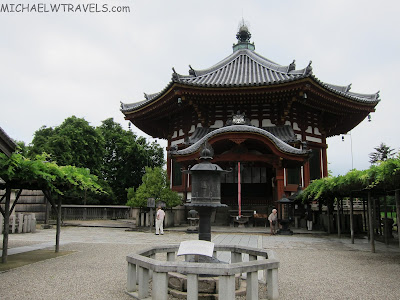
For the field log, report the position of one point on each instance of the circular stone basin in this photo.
(208, 286)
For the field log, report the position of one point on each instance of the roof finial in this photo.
(243, 36)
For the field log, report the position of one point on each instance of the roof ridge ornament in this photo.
(238, 119)
(192, 71)
(348, 88)
(292, 66)
(175, 76)
(308, 70)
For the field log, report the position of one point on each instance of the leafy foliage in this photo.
(38, 173)
(382, 153)
(155, 185)
(384, 175)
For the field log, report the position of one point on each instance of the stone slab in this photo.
(196, 247)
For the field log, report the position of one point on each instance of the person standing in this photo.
(273, 221)
(159, 221)
(309, 217)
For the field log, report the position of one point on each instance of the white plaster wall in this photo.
(177, 142)
(255, 122)
(266, 123)
(313, 139)
(217, 124)
(316, 131)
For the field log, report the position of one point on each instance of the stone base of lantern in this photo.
(208, 286)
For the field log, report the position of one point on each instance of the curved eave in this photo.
(281, 146)
(370, 100)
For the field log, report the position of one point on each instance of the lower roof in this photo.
(278, 142)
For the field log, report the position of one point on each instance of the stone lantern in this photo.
(206, 190)
(286, 215)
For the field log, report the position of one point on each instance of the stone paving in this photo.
(313, 266)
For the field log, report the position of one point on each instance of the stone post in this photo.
(160, 284)
(25, 227)
(33, 223)
(12, 221)
(226, 287)
(272, 284)
(236, 257)
(252, 282)
(192, 287)
(170, 256)
(20, 222)
(143, 283)
(132, 278)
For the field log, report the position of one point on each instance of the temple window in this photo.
(315, 164)
(293, 176)
(176, 174)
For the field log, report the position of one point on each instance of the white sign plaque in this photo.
(196, 247)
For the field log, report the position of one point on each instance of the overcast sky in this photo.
(55, 65)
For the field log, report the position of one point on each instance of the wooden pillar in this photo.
(351, 220)
(397, 198)
(385, 223)
(6, 225)
(338, 218)
(371, 222)
(280, 189)
(329, 216)
(364, 215)
(58, 224)
(306, 174)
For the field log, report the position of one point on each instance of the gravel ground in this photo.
(311, 267)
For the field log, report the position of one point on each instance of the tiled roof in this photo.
(7, 144)
(245, 68)
(284, 133)
(242, 68)
(281, 145)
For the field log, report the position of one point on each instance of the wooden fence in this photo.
(93, 212)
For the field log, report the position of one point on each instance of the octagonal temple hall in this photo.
(272, 119)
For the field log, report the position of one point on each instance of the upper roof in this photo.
(246, 68)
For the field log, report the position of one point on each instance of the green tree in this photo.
(125, 158)
(381, 153)
(155, 185)
(74, 143)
